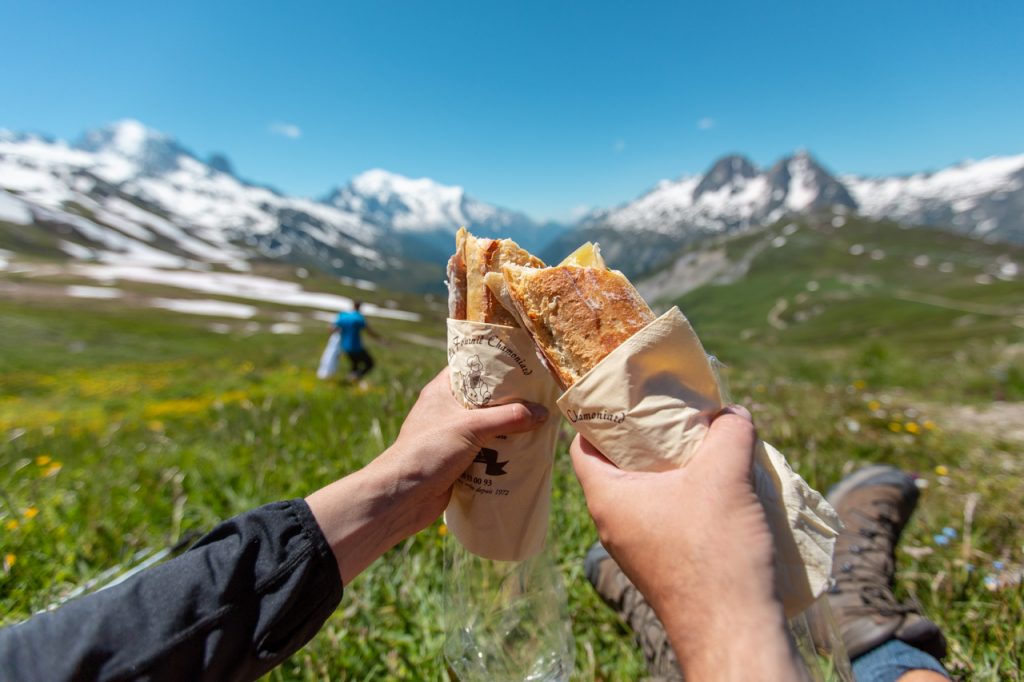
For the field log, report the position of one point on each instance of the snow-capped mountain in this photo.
(980, 198)
(733, 193)
(125, 192)
(983, 198)
(431, 211)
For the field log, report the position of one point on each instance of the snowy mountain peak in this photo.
(431, 210)
(799, 184)
(148, 151)
(387, 186)
(127, 138)
(727, 170)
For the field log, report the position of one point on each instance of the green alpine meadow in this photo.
(127, 430)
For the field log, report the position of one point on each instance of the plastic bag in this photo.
(814, 630)
(506, 613)
(329, 359)
(506, 621)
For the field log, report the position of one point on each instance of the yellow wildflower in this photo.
(895, 427)
(442, 530)
(942, 470)
(43, 460)
(874, 405)
(51, 470)
(912, 427)
(929, 425)
(12, 524)
(176, 408)
(859, 384)
(9, 561)
(155, 425)
(31, 513)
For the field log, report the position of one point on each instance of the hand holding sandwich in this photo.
(408, 486)
(696, 543)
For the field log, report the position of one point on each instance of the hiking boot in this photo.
(618, 592)
(874, 505)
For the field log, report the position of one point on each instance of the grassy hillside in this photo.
(123, 428)
(896, 306)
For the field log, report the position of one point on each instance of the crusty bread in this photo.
(576, 315)
(483, 256)
(476, 266)
(457, 278)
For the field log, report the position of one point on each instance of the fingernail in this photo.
(737, 410)
(538, 412)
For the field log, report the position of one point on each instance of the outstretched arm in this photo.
(696, 543)
(258, 587)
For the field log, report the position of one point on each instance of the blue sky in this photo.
(541, 106)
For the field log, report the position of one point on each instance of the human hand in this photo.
(696, 542)
(406, 487)
(437, 443)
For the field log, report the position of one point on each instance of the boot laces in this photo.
(871, 573)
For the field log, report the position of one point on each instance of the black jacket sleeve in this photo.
(245, 597)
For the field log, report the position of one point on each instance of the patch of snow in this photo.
(236, 285)
(81, 291)
(857, 250)
(219, 328)
(779, 242)
(285, 328)
(921, 261)
(76, 250)
(802, 190)
(325, 316)
(205, 307)
(364, 284)
(13, 210)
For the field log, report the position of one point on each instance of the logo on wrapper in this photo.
(489, 458)
(472, 383)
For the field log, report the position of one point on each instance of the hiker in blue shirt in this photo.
(350, 324)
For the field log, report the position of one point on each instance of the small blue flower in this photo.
(941, 540)
(969, 568)
(949, 532)
(998, 565)
(991, 582)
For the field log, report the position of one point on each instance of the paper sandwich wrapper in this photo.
(647, 407)
(500, 506)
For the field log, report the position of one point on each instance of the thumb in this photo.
(727, 452)
(589, 464)
(488, 422)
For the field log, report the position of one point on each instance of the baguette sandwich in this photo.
(475, 259)
(576, 312)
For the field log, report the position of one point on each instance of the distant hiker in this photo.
(346, 335)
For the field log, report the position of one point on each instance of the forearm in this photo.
(368, 512)
(725, 643)
(356, 515)
(247, 596)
